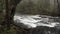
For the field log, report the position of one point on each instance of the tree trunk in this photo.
(10, 11)
(58, 7)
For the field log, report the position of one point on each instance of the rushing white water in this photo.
(32, 21)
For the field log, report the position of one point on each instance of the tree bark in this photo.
(10, 11)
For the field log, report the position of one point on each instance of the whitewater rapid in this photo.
(32, 21)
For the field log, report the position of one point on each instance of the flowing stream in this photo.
(32, 21)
